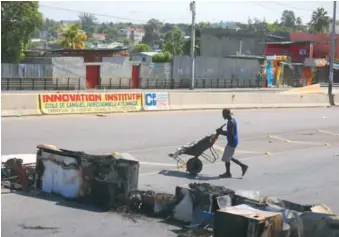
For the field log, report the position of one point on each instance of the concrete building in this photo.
(223, 42)
(132, 33)
(216, 42)
(145, 57)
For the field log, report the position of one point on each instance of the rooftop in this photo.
(291, 42)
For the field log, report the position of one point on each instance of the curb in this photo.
(176, 110)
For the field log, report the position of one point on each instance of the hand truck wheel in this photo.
(194, 166)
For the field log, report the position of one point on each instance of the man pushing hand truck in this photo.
(232, 142)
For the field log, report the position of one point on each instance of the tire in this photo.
(194, 166)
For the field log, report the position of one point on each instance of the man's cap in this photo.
(227, 112)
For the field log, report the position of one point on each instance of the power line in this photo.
(95, 14)
(263, 6)
(292, 7)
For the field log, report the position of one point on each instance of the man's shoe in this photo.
(244, 169)
(225, 175)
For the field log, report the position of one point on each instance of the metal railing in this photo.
(36, 84)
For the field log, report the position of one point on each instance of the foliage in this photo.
(152, 31)
(19, 20)
(88, 23)
(320, 21)
(111, 32)
(174, 41)
(142, 48)
(126, 42)
(73, 37)
(288, 19)
(162, 57)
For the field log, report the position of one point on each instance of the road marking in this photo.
(329, 133)
(31, 158)
(157, 164)
(219, 148)
(218, 141)
(27, 158)
(298, 142)
(246, 159)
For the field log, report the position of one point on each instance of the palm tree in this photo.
(320, 20)
(73, 37)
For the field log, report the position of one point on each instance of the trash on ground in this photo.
(111, 181)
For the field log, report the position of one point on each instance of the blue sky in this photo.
(178, 11)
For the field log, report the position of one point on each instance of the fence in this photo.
(26, 70)
(122, 83)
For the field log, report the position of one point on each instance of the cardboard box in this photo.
(245, 221)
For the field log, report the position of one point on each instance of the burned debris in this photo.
(111, 181)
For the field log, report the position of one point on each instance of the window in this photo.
(302, 52)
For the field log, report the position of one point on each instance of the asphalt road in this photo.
(298, 162)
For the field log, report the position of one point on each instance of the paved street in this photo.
(292, 154)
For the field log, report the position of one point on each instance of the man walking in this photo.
(232, 143)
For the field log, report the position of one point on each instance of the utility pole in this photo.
(330, 82)
(192, 8)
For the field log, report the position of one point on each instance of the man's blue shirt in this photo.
(232, 133)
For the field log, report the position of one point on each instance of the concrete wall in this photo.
(155, 75)
(116, 71)
(212, 68)
(69, 68)
(223, 42)
(28, 103)
(26, 70)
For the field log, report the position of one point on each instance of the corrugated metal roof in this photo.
(151, 54)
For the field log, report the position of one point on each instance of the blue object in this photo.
(151, 99)
(232, 140)
(202, 219)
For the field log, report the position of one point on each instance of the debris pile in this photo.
(111, 181)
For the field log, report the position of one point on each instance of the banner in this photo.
(74, 103)
(156, 101)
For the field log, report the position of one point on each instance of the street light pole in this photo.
(330, 81)
(192, 8)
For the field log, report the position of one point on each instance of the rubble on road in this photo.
(111, 181)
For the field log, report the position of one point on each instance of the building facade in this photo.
(132, 33)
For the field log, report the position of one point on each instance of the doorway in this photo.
(92, 76)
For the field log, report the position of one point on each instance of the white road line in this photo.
(157, 164)
(27, 158)
(329, 133)
(298, 142)
(237, 151)
(31, 158)
(247, 158)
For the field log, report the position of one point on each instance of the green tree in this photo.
(162, 57)
(142, 48)
(111, 31)
(73, 38)
(19, 20)
(174, 41)
(126, 42)
(152, 31)
(319, 21)
(88, 23)
(288, 19)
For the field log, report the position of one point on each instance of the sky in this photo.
(179, 12)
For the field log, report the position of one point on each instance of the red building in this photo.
(298, 51)
(92, 60)
(322, 43)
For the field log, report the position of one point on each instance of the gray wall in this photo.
(223, 42)
(211, 68)
(155, 74)
(26, 70)
(116, 71)
(69, 70)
